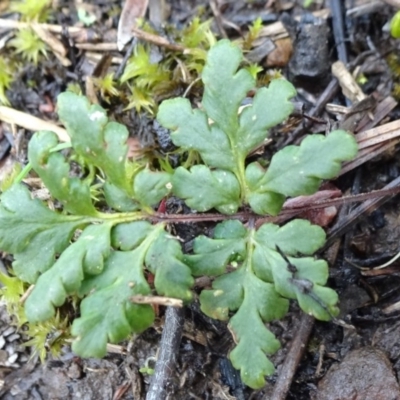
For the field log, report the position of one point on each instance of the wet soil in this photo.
(355, 358)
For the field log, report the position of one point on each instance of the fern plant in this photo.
(101, 250)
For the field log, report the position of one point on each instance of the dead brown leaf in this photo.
(132, 9)
(280, 56)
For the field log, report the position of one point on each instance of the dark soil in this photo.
(357, 358)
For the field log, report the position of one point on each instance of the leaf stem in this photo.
(250, 245)
(241, 175)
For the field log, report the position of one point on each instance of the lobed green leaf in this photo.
(107, 314)
(164, 259)
(270, 107)
(224, 86)
(305, 283)
(203, 189)
(99, 141)
(150, 187)
(298, 170)
(257, 302)
(54, 171)
(84, 257)
(262, 280)
(213, 255)
(118, 199)
(191, 131)
(261, 304)
(32, 232)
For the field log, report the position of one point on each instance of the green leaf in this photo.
(117, 198)
(52, 168)
(261, 200)
(108, 315)
(213, 255)
(32, 232)
(258, 289)
(261, 303)
(83, 257)
(203, 189)
(299, 170)
(130, 235)
(305, 283)
(226, 140)
(224, 86)
(150, 187)
(257, 302)
(270, 107)
(99, 141)
(165, 260)
(298, 236)
(191, 131)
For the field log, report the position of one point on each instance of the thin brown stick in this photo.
(157, 40)
(296, 351)
(367, 206)
(218, 18)
(287, 212)
(326, 95)
(162, 381)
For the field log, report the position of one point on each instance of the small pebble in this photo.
(365, 373)
(12, 358)
(3, 356)
(23, 358)
(2, 342)
(15, 390)
(10, 349)
(13, 337)
(9, 331)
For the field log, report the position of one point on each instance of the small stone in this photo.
(74, 371)
(9, 331)
(10, 349)
(13, 337)
(3, 356)
(23, 358)
(13, 358)
(364, 374)
(2, 342)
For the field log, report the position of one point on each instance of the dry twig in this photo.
(163, 301)
(27, 121)
(165, 367)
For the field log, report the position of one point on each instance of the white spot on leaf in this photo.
(96, 116)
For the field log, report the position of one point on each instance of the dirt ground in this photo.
(356, 357)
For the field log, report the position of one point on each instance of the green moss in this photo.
(6, 78)
(32, 10)
(28, 45)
